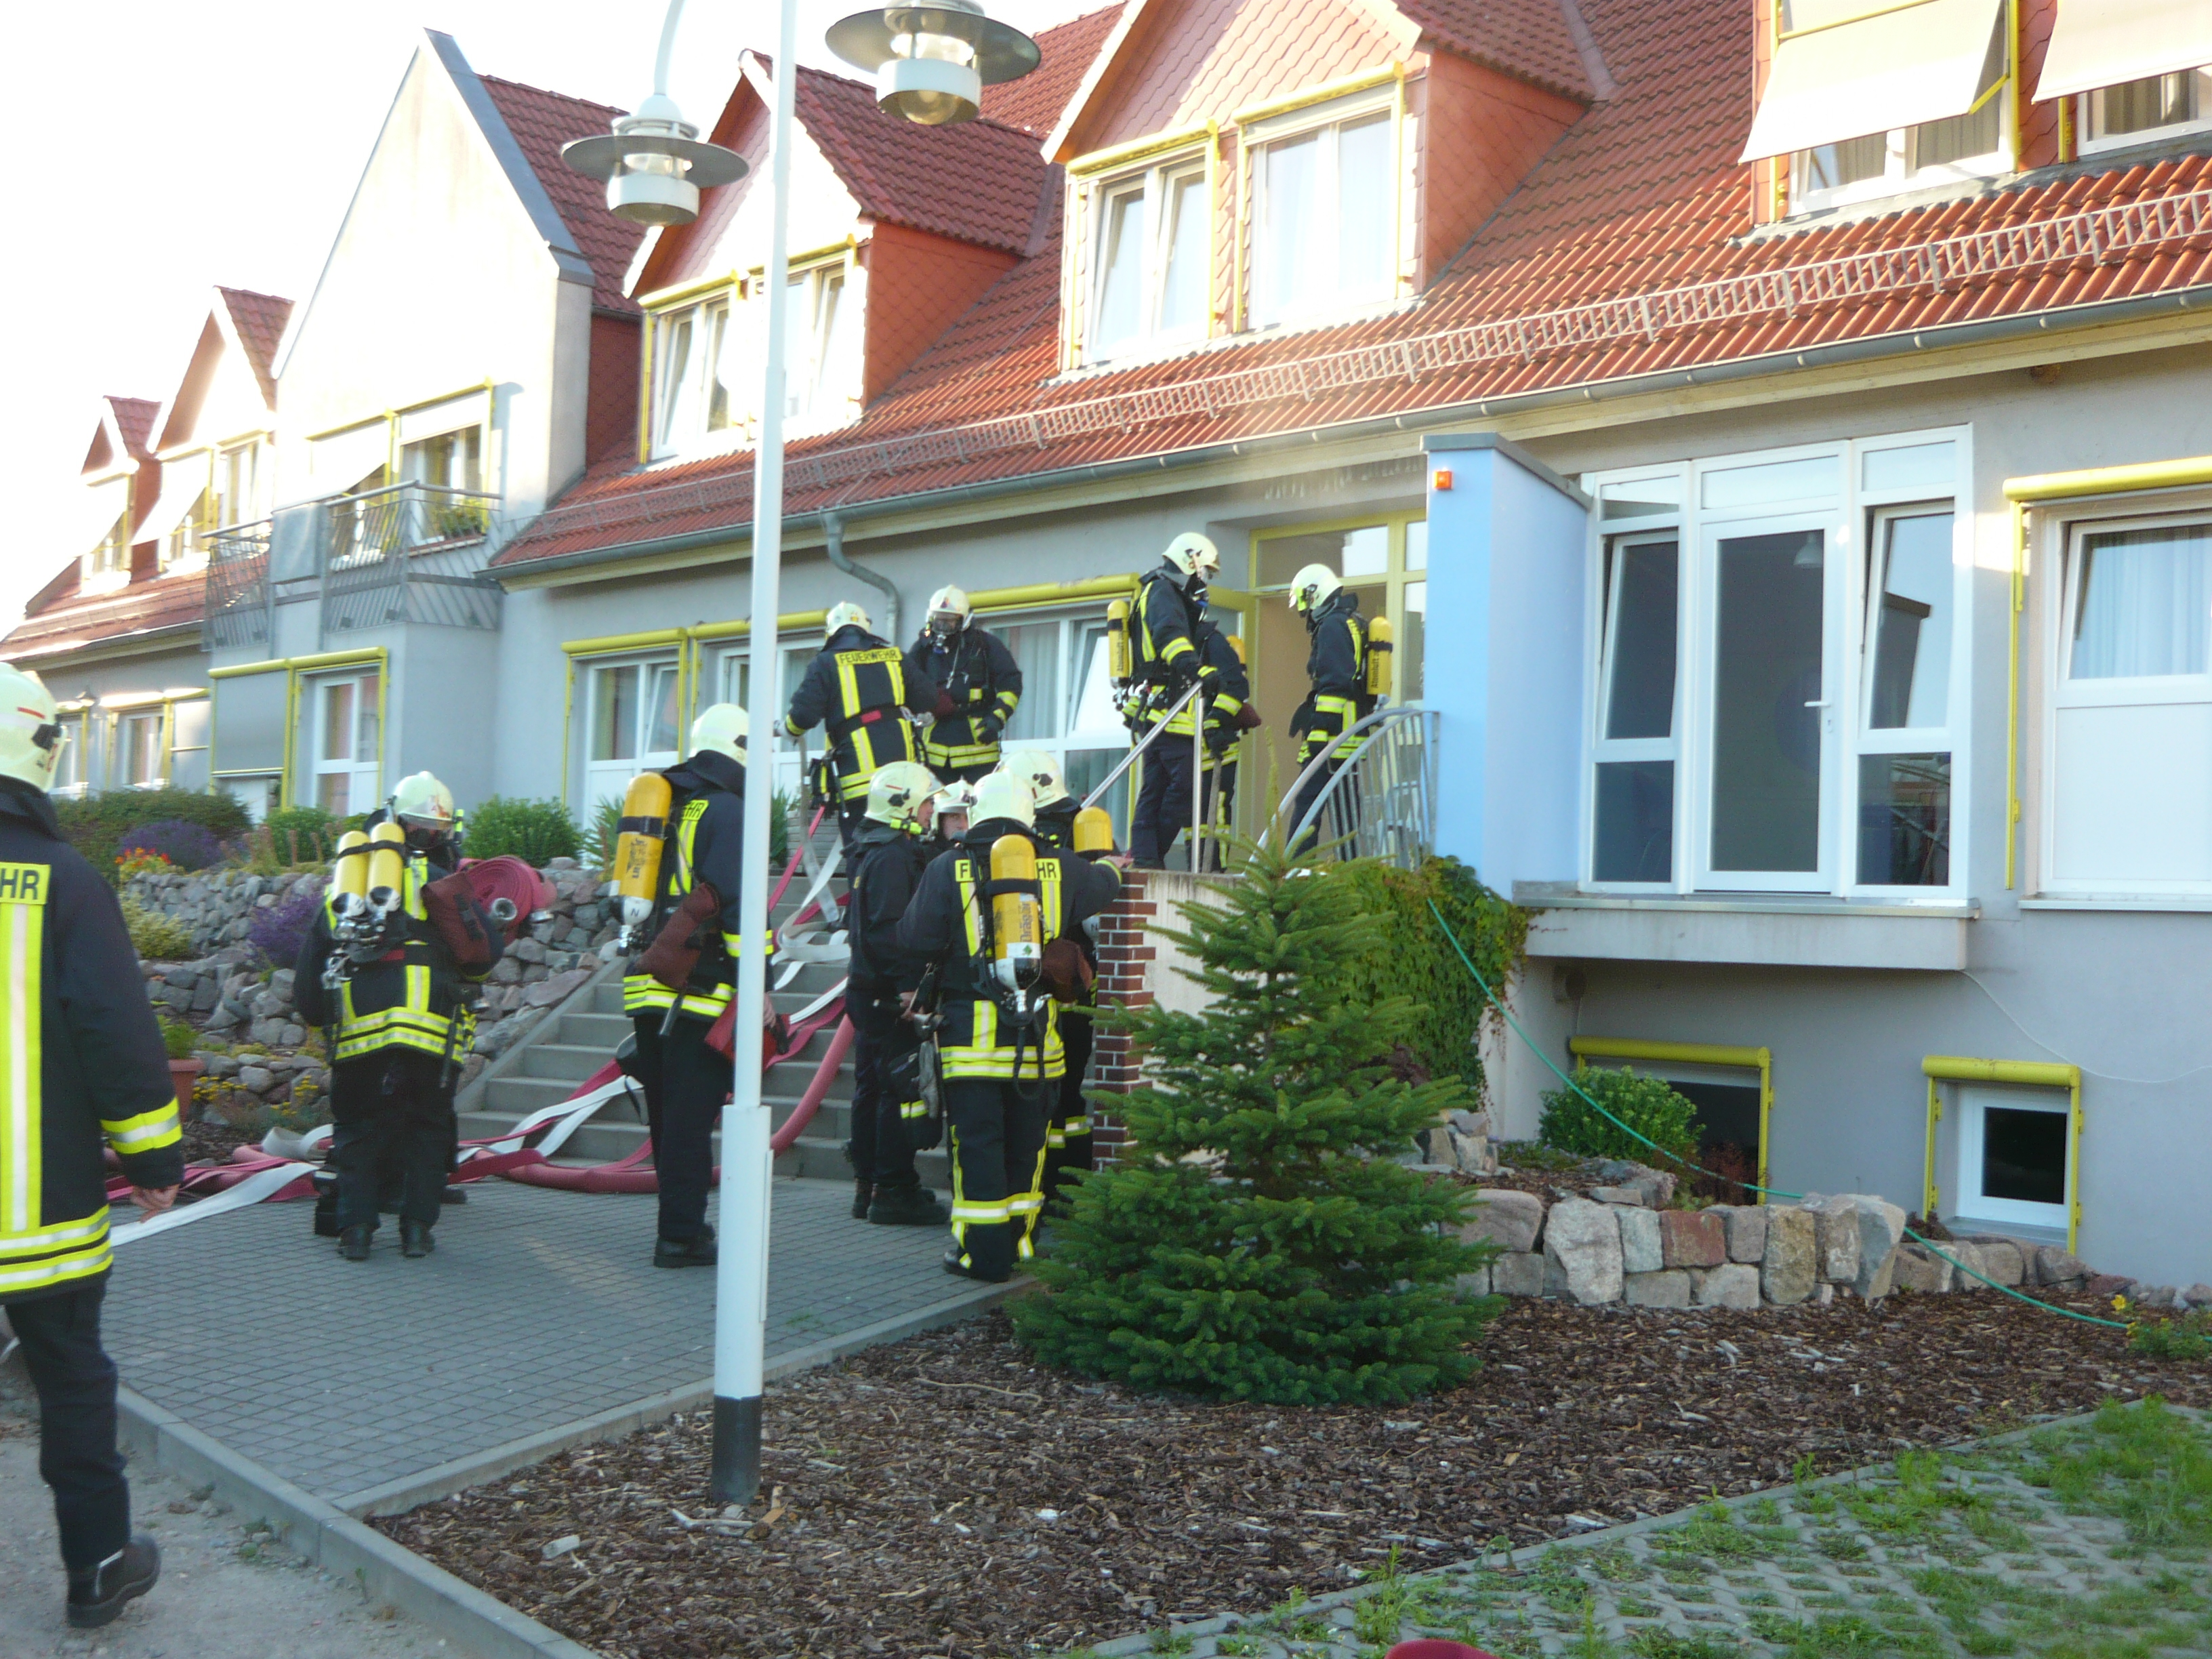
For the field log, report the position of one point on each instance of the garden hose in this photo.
(1537, 1049)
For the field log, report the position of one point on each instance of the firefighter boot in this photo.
(96, 1595)
(906, 1207)
(415, 1239)
(863, 1192)
(353, 1242)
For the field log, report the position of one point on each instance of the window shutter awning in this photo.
(182, 486)
(249, 721)
(2109, 43)
(1925, 61)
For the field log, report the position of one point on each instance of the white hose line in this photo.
(256, 1186)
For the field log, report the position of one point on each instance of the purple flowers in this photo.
(278, 930)
(186, 846)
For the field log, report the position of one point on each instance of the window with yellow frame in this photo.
(1382, 557)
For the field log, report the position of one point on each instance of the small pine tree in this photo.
(1258, 1241)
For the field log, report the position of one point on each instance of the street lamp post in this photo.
(934, 61)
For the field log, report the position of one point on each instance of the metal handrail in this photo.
(1386, 732)
(1129, 759)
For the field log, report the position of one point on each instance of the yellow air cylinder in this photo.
(1119, 664)
(1094, 831)
(1237, 644)
(388, 864)
(1016, 920)
(1378, 657)
(637, 847)
(349, 873)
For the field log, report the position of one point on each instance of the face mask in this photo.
(945, 626)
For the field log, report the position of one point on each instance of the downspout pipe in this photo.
(833, 532)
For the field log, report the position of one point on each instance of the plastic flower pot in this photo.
(1433, 1647)
(182, 1073)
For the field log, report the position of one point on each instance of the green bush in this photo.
(1650, 1104)
(600, 831)
(95, 825)
(1412, 958)
(179, 1038)
(303, 834)
(535, 831)
(1257, 1241)
(154, 936)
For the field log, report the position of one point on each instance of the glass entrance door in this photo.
(1772, 721)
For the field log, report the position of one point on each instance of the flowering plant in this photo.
(142, 861)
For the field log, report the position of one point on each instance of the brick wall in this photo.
(1137, 968)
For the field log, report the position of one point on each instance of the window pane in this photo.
(838, 380)
(1904, 820)
(1183, 286)
(1635, 822)
(1954, 140)
(2141, 603)
(660, 700)
(1640, 641)
(1910, 681)
(1774, 481)
(1092, 703)
(1363, 210)
(1767, 664)
(1417, 545)
(1413, 642)
(1351, 553)
(1035, 647)
(364, 737)
(1121, 271)
(2161, 101)
(2024, 1154)
(1915, 466)
(719, 365)
(614, 714)
(797, 344)
(1285, 262)
(1846, 163)
(337, 720)
(330, 793)
(1081, 769)
(678, 381)
(1645, 498)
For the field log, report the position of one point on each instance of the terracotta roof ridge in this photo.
(548, 92)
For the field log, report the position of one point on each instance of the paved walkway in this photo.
(1937, 1557)
(359, 1382)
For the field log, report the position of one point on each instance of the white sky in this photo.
(186, 142)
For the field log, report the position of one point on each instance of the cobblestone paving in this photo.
(1989, 1553)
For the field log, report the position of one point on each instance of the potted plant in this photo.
(180, 1039)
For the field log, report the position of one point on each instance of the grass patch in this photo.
(2146, 1465)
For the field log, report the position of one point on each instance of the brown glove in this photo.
(672, 957)
(1065, 971)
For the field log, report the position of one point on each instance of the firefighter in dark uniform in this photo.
(91, 1076)
(1229, 714)
(979, 683)
(998, 1043)
(1163, 641)
(1336, 668)
(679, 985)
(1067, 1143)
(894, 851)
(860, 690)
(401, 1012)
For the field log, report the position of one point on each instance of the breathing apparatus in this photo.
(642, 833)
(1015, 913)
(1379, 647)
(370, 878)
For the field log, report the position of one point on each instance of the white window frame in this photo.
(1845, 518)
(150, 719)
(1901, 172)
(697, 436)
(611, 776)
(2089, 112)
(1327, 119)
(733, 676)
(354, 768)
(811, 402)
(1612, 541)
(1156, 183)
(1967, 1202)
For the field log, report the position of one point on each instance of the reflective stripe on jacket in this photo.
(706, 845)
(411, 997)
(856, 688)
(979, 673)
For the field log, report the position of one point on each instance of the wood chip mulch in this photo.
(912, 1483)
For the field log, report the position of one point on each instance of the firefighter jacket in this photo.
(1226, 694)
(1336, 666)
(949, 922)
(1164, 643)
(855, 689)
(706, 844)
(412, 995)
(977, 672)
(86, 1068)
(888, 871)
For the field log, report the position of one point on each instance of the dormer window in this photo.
(822, 347)
(698, 377)
(1905, 158)
(1321, 211)
(1152, 259)
(2143, 112)
(106, 564)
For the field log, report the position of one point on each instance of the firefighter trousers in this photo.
(881, 1151)
(998, 1166)
(388, 1113)
(1163, 799)
(76, 1384)
(1067, 1137)
(686, 1084)
(1338, 820)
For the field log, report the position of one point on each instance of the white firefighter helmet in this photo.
(897, 791)
(949, 610)
(845, 614)
(1194, 554)
(954, 800)
(30, 728)
(422, 802)
(1003, 795)
(720, 729)
(1035, 768)
(1313, 587)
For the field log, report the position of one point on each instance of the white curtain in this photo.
(2141, 602)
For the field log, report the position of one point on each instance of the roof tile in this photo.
(74, 622)
(260, 319)
(1528, 38)
(1033, 104)
(542, 122)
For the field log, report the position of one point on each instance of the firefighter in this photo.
(863, 689)
(390, 989)
(1228, 716)
(950, 821)
(678, 986)
(988, 915)
(1336, 668)
(1163, 636)
(893, 853)
(979, 685)
(91, 1076)
(1067, 1143)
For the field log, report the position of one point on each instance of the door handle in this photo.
(1821, 703)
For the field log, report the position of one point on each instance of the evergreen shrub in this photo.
(95, 824)
(304, 835)
(1412, 959)
(535, 831)
(1646, 1103)
(154, 936)
(1258, 1241)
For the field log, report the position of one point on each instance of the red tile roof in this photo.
(542, 122)
(1033, 103)
(74, 623)
(1528, 38)
(260, 319)
(1627, 252)
(976, 182)
(134, 419)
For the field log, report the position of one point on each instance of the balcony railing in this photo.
(1380, 803)
(406, 553)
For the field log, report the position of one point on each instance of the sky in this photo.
(188, 144)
